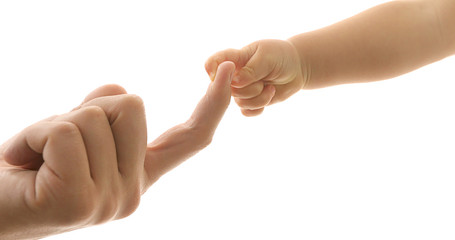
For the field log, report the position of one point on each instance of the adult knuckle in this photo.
(131, 202)
(79, 210)
(132, 102)
(107, 210)
(65, 129)
(93, 112)
(115, 88)
(82, 211)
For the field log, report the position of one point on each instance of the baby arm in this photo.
(383, 42)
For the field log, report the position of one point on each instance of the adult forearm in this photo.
(380, 43)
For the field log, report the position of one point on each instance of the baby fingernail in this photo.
(236, 79)
(212, 76)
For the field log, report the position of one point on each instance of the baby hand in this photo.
(267, 72)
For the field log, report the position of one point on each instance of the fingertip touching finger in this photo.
(212, 64)
(184, 140)
(211, 108)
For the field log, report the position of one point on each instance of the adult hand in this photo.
(91, 165)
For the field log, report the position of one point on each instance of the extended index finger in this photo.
(183, 141)
(211, 108)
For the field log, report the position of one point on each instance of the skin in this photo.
(92, 165)
(381, 43)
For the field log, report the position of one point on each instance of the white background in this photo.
(365, 161)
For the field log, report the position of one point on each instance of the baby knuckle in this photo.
(230, 50)
(247, 72)
(252, 47)
(252, 113)
(243, 103)
(217, 58)
(235, 92)
(262, 102)
(220, 56)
